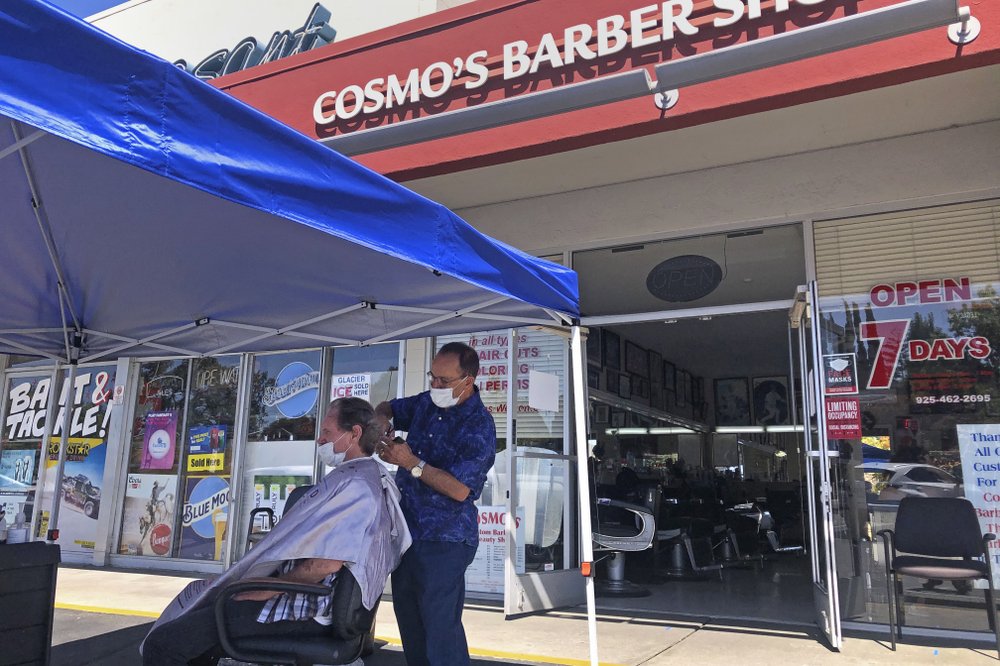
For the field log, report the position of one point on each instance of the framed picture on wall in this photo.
(611, 381)
(594, 378)
(612, 350)
(602, 413)
(617, 419)
(595, 352)
(636, 359)
(655, 369)
(770, 401)
(732, 402)
(681, 388)
(697, 390)
(669, 377)
(655, 395)
(624, 386)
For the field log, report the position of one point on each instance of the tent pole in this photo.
(64, 443)
(583, 484)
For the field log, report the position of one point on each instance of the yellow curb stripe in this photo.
(477, 652)
(516, 656)
(107, 611)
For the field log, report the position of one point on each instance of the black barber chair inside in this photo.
(352, 631)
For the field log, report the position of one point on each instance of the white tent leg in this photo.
(583, 485)
(60, 466)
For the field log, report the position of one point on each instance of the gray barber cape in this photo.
(352, 515)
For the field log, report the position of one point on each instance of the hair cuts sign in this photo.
(644, 26)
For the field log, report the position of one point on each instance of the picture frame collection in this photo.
(632, 372)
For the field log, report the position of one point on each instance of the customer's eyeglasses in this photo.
(441, 382)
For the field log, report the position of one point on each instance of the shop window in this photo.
(281, 433)
(543, 484)
(151, 510)
(21, 458)
(25, 399)
(910, 325)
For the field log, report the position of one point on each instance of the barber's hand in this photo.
(397, 452)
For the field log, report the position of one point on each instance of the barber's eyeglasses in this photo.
(442, 382)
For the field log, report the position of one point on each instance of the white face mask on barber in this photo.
(330, 457)
(445, 397)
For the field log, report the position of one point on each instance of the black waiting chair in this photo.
(941, 540)
(632, 532)
(349, 635)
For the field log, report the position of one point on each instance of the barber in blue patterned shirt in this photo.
(450, 447)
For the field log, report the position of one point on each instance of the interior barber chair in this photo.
(619, 528)
(687, 539)
(740, 543)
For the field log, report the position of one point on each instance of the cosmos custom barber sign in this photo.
(590, 41)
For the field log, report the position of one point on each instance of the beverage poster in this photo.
(159, 446)
(272, 491)
(17, 478)
(205, 518)
(207, 449)
(150, 505)
(80, 492)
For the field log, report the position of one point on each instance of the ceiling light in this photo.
(785, 428)
(725, 430)
(671, 431)
(669, 321)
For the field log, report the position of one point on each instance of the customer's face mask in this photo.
(329, 456)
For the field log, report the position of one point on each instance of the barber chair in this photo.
(740, 542)
(633, 532)
(346, 608)
(688, 540)
(347, 640)
(767, 525)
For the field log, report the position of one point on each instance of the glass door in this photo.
(804, 341)
(542, 560)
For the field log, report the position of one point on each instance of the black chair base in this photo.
(619, 588)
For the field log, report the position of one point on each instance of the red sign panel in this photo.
(843, 418)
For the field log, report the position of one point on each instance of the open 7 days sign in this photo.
(585, 41)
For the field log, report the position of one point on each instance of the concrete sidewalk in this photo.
(553, 638)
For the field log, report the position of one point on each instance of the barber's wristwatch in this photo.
(417, 469)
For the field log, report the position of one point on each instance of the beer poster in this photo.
(207, 449)
(205, 518)
(150, 503)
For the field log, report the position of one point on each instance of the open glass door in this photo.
(542, 563)
(805, 343)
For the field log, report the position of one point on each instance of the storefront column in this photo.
(114, 461)
(418, 355)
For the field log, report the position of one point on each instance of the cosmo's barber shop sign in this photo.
(607, 36)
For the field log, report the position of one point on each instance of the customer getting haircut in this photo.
(468, 358)
(351, 412)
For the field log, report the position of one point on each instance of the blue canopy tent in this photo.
(146, 213)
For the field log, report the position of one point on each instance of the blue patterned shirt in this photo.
(460, 440)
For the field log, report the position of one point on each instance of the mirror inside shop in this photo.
(696, 428)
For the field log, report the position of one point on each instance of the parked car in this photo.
(891, 482)
(79, 491)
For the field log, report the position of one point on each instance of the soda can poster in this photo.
(205, 518)
(159, 447)
(207, 449)
(147, 526)
(80, 492)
